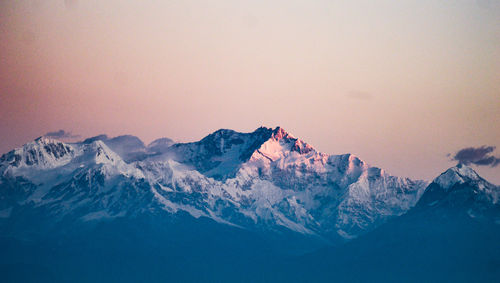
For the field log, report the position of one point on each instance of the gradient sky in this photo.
(399, 83)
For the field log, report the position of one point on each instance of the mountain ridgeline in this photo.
(220, 209)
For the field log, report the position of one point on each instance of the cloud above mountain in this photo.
(481, 156)
(61, 134)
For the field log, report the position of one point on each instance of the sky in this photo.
(404, 85)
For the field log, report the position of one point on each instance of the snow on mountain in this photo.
(46, 165)
(40, 153)
(462, 188)
(454, 226)
(340, 192)
(45, 155)
(266, 180)
(99, 153)
(220, 154)
(128, 147)
(458, 174)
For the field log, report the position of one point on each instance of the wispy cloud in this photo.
(61, 134)
(481, 156)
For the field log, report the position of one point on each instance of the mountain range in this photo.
(260, 206)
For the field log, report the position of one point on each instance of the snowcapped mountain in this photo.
(451, 234)
(234, 205)
(266, 180)
(461, 190)
(38, 154)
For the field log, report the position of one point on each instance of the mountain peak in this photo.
(43, 152)
(465, 170)
(45, 140)
(221, 153)
(458, 174)
(460, 187)
(101, 153)
(280, 133)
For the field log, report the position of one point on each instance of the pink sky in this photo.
(399, 83)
